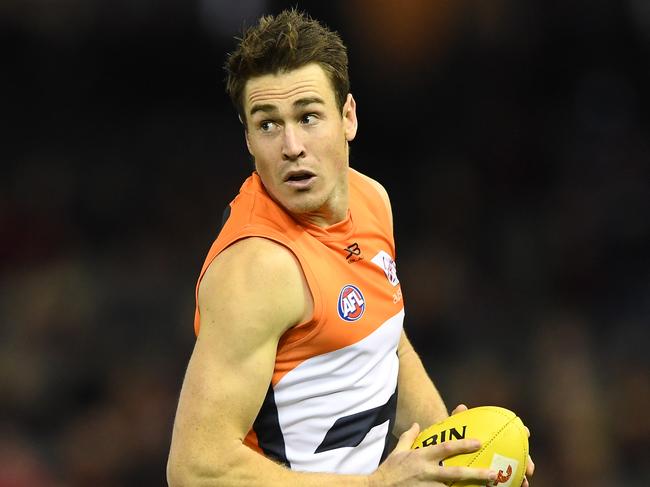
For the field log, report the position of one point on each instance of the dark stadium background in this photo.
(512, 136)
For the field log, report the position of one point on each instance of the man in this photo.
(301, 371)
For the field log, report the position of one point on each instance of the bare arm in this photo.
(418, 400)
(249, 296)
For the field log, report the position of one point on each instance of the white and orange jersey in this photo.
(332, 399)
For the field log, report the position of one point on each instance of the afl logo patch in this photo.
(351, 303)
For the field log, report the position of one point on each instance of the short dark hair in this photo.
(284, 42)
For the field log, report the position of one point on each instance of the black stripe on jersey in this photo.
(391, 441)
(349, 431)
(269, 434)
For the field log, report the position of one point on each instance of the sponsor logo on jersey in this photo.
(351, 304)
(354, 253)
(504, 467)
(383, 260)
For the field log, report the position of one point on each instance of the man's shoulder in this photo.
(367, 180)
(255, 271)
(380, 200)
(256, 254)
(254, 284)
(254, 209)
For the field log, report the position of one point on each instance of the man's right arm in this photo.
(248, 297)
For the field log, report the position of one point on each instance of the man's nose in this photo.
(292, 146)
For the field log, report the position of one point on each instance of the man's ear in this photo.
(248, 143)
(350, 122)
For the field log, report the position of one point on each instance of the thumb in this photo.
(459, 409)
(407, 438)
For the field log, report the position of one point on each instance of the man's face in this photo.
(299, 140)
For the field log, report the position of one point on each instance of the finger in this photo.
(407, 438)
(525, 483)
(465, 474)
(460, 408)
(527, 431)
(530, 467)
(448, 449)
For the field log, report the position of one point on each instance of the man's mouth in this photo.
(299, 176)
(300, 180)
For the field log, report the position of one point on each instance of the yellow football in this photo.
(503, 437)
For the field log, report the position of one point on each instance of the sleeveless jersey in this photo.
(331, 403)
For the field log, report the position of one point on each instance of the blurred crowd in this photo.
(513, 138)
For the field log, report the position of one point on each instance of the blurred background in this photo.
(513, 137)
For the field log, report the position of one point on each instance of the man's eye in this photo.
(266, 126)
(308, 119)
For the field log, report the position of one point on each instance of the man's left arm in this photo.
(418, 400)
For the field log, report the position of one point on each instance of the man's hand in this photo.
(530, 466)
(421, 467)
